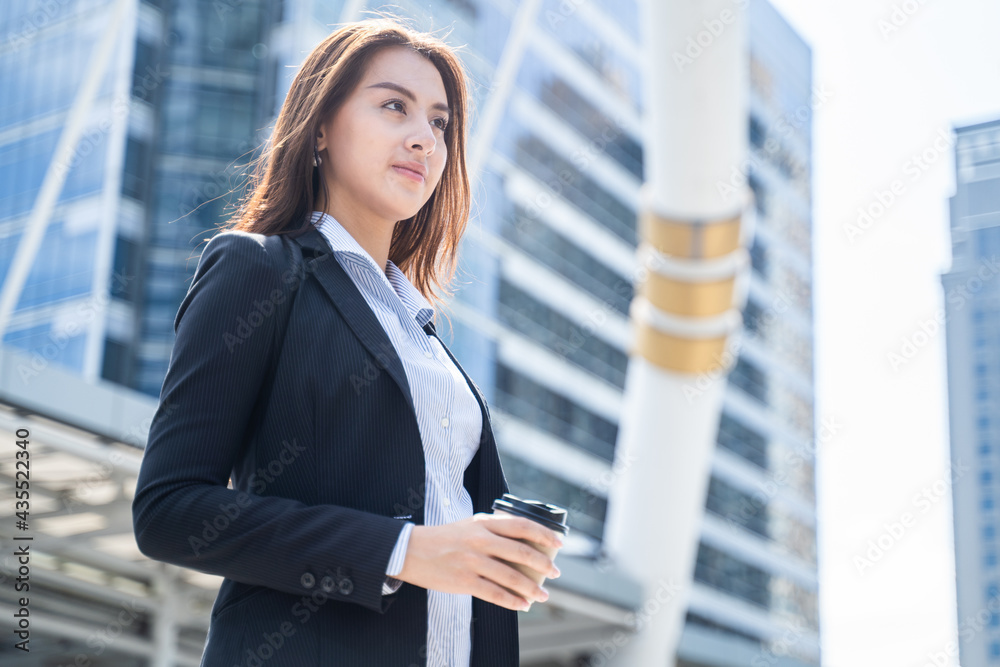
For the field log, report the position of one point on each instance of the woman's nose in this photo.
(423, 138)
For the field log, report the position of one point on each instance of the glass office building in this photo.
(540, 316)
(173, 118)
(971, 317)
(68, 306)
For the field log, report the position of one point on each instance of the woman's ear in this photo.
(319, 142)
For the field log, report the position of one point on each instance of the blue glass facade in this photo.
(48, 53)
(208, 111)
(972, 320)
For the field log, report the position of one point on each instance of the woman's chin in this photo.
(405, 213)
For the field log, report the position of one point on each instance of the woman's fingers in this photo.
(516, 551)
(468, 557)
(491, 592)
(510, 548)
(506, 586)
(520, 528)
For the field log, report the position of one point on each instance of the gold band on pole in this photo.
(695, 239)
(680, 355)
(677, 297)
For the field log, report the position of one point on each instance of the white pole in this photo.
(685, 315)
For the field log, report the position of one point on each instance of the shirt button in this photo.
(446, 502)
(444, 421)
(428, 354)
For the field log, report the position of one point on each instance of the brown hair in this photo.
(283, 186)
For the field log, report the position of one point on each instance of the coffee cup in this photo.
(548, 515)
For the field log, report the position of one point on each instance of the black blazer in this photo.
(325, 458)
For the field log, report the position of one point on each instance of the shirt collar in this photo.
(341, 241)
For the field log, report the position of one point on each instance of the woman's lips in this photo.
(409, 173)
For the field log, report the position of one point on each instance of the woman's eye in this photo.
(397, 105)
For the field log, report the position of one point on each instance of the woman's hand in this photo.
(461, 557)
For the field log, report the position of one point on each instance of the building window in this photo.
(985, 449)
(135, 176)
(988, 532)
(125, 281)
(752, 316)
(737, 508)
(695, 619)
(585, 117)
(539, 240)
(758, 258)
(995, 649)
(564, 178)
(540, 406)
(116, 361)
(726, 573)
(758, 133)
(991, 559)
(742, 441)
(987, 503)
(522, 312)
(144, 72)
(750, 378)
(985, 477)
(759, 195)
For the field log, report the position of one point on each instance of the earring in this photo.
(317, 159)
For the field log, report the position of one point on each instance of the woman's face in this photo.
(384, 148)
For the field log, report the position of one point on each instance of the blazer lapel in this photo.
(352, 305)
(484, 479)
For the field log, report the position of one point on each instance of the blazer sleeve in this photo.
(182, 512)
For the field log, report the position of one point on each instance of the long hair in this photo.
(283, 184)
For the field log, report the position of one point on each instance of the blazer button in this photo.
(327, 583)
(308, 580)
(345, 586)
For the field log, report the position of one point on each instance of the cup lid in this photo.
(550, 516)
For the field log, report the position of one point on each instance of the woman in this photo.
(358, 528)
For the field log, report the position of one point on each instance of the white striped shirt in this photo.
(448, 417)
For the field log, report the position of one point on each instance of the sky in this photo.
(900, 72)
